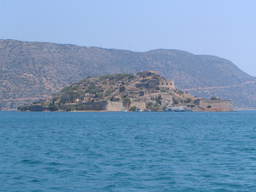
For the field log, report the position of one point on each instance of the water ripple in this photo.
(145, 152)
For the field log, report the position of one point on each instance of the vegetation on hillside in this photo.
(31, 71)
(145, 91)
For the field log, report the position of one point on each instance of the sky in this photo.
(225, 28)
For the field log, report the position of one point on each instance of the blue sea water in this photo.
(126, 152)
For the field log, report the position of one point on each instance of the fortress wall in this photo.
(115, 106)
(216, 105)
(139, 105)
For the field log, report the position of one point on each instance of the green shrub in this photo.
(133, 109)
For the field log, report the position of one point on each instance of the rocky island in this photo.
(143, 91)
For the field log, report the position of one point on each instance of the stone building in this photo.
(167, 84)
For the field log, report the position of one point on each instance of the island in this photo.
(143, 91)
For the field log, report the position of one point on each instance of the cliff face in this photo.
(32, 70)
(145, 91)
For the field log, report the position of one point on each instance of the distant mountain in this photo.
(33, 70)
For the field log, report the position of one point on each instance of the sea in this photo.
(127, 152)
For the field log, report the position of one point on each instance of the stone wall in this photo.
(167, 84)
(115, 106)
(139, 105)
(215, 105)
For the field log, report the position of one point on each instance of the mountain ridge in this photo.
(33, 69)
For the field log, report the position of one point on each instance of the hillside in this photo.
(144, 91)
(34, 70)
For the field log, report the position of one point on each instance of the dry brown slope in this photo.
(30, 70)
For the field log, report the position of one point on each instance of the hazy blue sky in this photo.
(225, 28)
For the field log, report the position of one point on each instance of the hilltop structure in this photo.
(144, 91)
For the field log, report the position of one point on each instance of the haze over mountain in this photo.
(33, 70)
